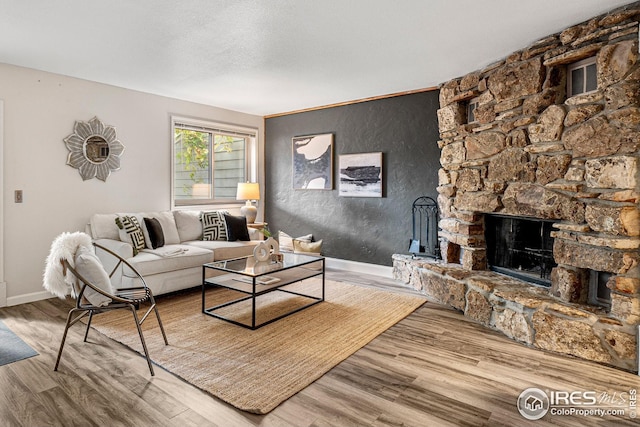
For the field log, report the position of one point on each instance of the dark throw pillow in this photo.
(155, 232)
(236, 228)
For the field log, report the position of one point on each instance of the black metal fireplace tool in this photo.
(424, 242)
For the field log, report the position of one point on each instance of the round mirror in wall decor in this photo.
(94, 149)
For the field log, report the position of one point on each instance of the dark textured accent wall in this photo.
(370, 230)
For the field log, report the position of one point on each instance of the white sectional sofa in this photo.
(178, 263)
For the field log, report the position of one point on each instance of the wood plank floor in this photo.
(434, 368)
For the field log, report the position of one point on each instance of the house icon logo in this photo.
(533, 403)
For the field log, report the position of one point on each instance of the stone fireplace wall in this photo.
(535, 152)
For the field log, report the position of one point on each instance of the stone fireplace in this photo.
(517, 146)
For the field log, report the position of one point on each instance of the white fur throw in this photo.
(63, 247)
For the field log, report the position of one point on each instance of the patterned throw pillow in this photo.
(130, 225)
(213, 225)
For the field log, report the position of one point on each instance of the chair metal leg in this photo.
(66, 329)
(155, 308)
(144, 344)
(86, 333)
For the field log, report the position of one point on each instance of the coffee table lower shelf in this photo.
(254, 290)
(211, 311)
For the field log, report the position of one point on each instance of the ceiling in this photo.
(274, 56)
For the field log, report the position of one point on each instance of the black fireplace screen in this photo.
(425, 228)
(520, 247)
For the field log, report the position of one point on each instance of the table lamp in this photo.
(248, 191)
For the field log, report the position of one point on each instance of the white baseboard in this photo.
(339, 264)
(3, 294)
(23, 299)
(360, 267)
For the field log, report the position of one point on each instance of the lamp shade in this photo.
(248, 191)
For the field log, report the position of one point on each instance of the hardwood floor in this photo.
(434, 368)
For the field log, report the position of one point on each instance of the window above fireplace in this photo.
(582, 77)
(520, 247)
(471, 110)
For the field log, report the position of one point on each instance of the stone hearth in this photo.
(533, 151)
(528, 314)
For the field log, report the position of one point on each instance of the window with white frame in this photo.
(471, 109)
(582, 77)
(209, 160)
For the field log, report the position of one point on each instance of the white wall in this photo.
(3, 285)
(40, 110)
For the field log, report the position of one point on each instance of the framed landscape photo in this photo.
(313, 162)
(361, 175)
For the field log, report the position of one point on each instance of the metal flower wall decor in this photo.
(94, 149)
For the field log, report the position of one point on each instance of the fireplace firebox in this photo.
(520, 247)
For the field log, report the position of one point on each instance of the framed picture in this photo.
(361, 175)
(313, 162)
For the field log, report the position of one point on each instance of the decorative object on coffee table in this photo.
(274, 246)
(94, 149)
(261, 252)
(268, 250)
(248, 191)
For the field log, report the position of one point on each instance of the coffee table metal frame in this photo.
(294, 268)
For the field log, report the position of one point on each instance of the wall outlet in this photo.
(18, 196)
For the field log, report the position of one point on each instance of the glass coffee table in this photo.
(252, 280)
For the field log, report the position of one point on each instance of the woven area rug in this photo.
(257, 370)
(12, 348)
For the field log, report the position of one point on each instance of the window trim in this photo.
(472, 101)
(584, 63)
(251, 166)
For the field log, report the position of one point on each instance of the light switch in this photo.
(18, 196)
